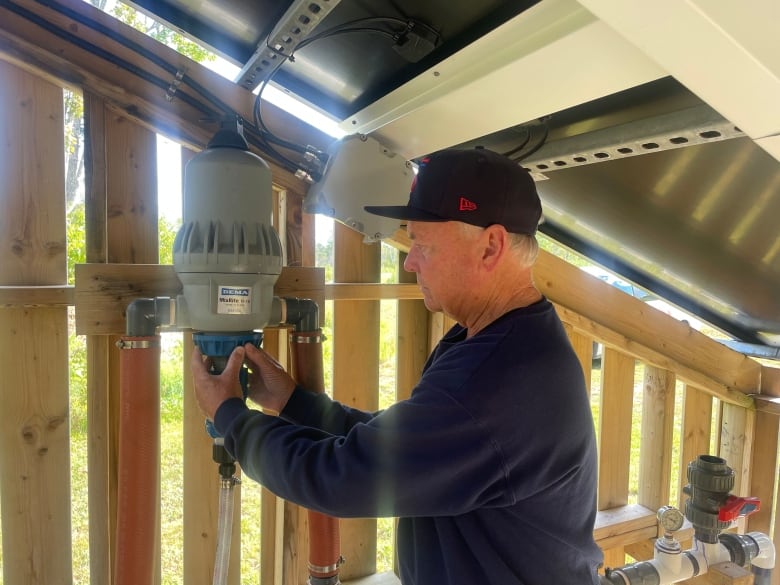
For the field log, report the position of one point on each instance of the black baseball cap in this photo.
(475, 186)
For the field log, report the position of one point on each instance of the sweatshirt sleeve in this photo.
(319, 411)
(423, 456)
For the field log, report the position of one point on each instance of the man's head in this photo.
(475, 186)
(471, 218)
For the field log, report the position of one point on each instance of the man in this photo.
(491, 463)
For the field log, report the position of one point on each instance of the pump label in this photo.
(234, 300)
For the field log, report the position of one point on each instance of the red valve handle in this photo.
(736, 506)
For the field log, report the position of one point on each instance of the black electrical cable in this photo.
(539, 143)
(257, 109)
(100, 52)
(134, 69)
(521, 146)
(261, 136)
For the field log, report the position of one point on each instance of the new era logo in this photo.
(466, 205)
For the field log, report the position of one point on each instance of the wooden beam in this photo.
(344, 291)
(623, 525)
(37, 296)
(64, 51)
(103, 291)
(605, 313)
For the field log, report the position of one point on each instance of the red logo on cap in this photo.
(466, 205)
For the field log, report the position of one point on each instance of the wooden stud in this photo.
(615, 429)
(695, 436)
(583, 347)
(765, 461)
(356, 381)
(411, 348)
(736, 444)
(34, 429)
(655, 459)
(615, 436)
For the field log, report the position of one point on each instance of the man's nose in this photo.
(409, 263)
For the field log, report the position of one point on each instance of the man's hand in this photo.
(269, 385)
(212, 390)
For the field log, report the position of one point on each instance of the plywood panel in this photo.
(356, 372)
(655, 460)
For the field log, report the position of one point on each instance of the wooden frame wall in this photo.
(121, 116)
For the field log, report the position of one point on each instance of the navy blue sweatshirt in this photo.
(490, 464)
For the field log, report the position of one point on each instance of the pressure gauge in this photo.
(670, 518)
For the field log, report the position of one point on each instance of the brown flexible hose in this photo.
(324, 540)
(138, 514)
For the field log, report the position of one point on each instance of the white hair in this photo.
(524, 247)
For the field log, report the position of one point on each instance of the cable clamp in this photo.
(174, 86)
(138, 344)
(325, 569)
(300, 338)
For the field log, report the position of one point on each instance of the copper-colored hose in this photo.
(138, 518)
(324, 541)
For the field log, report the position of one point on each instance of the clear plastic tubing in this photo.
(224, 531)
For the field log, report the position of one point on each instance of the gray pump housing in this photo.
(226, 254)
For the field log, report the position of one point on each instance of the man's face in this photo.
(443, 255)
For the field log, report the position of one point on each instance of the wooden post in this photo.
(696, 431)
(412, 334)
(583, 347)
(736, 444)
(100, 457)
(356, 381)
(765, 460)
(655, 456)
(615, 437)
(121, 204)
(34, 430)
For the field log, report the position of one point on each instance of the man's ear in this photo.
(495, 242)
